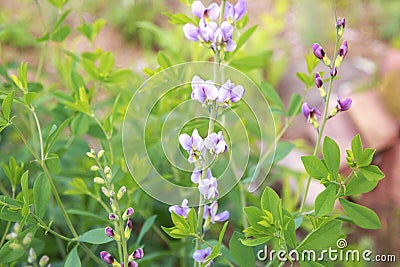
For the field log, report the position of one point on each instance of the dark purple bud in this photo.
(138, 254)
(318, 80)
(310, 113)
(343, 49)
(129, 223)
(334, 72)
(318, 51)
(131, 264)
(112, 217)
(345, 104)
(109, 232)
(341, 22)
(106, 257)
(129, 211)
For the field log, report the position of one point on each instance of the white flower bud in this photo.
(105, 191)
(94, 168)
(27, 239)
(121, 192)
(107, 170)
(100, 154)
(43, 260)
(17, 227)
(98, 180)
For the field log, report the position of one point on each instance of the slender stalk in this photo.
(43, 225)
(3, 238)
(108, 138)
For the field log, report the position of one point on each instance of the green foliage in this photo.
(95, 236)
(73, 258)
(362, 216)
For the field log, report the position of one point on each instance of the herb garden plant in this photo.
(75, 191)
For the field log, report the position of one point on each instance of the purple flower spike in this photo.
(109, 232)
(234, 14)
(216, 143)
(318, 51)
(197, 174)
(194, 145)
(310, 113)
(106, 257)
(138, 254)
(344, 104)
(343, 49)
(201, 255)
(209, 188)
(182, 210)
(318, 80)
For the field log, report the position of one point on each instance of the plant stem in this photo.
(3, 238)
(43, 225)
(108, 138)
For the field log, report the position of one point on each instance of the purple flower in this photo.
(201, 255)
(334, 71)
(138, 254)
(210, 212)
(203, 91)
(182, 210)
(112, 217)
(106, 257)
(343, 49)
(131, 264)
(229, 92)
(235, 13)
(194, 145)
(222, 37)
(197, 174)
(318, 80)
(310, 113)
(318, 51)
(109, 232)
(209, 188)
(209, 13)
(344, 104)
(129, 212)
(341, 22)
(129, 224)
(216, 143)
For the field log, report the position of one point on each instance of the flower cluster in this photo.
(23, 242)
(205, 92)
(122, 222)
(201, 256)
(311, 113)
(214, 29)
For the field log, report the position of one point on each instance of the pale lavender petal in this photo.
(229, 12)
(306, 110)
(227, 30)
(221, 147)
(240, 10)
(211, 141)
(222, 217)
(191, 32)
(186, 141)
(198, 9)
(230, 46)
(197, 140)
(210, 90)
(213, 11)
(237, 93)
(195, 176)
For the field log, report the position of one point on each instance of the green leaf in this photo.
(53, 163)
(174, 232)
(163, 60)
(106, 63)
(253, 62)
(295, 105)
(290, 231)
(372, 173)
(356, 147)
(63, 16)
(119, 76)
(90, 31)
(325, 201)
(366, 157)
(10, 209)
(145, 228)
(80, 124)
(315, 167)
(271, 202)
(58, 3)
(311, 61)
(304, 78)
(272, 96)
(95, 236)
(7, 106)
(41, 195)
(362, 216)
(255, 241)
(282, 150)
(244, 37)
(73, 258)
(243, 255)
(24, 186)
(331, 153)
(192, 220)
(254, 215)
(179, 18)
(29, 97)
(324, 236)
(61, 34)
(359, 185)
(54, 135)
(8, 254)
(87, 214)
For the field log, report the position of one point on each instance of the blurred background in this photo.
(136, 30)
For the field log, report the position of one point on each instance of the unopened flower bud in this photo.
(100, 154)
(344, 104)
(32, 254)
(107, 257)
(17, 228)
(43, 260)
(99, 180)
(342, 53)
(128, 228)
(128, 213)
(121, 192)
(94, 168)
(109, 232)
(334, 72)
(320, 85)
(91, 154)
(27, 239)
(11, 236)
(319, 53)
(138, 254)
(340, 26)
(113, 217)
(105, 191)
(107, 170)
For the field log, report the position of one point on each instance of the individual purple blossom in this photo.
(129, 211)
(209, 188)
(222, 37)
(201, 255)
(210, 212)
(138, 253)
(216, 143)
(129, 224)
(107, 257)
(196, 175)
(209, 13)
(194, 145)
(182, 210)
(318, 81)
(112, 217)
(131, 264)
(203, 91)
(109, 231)
(343, 49)
(334, 71)
(344, 104)
(318, 51)
(235, 13)
(341, 22)
(310, 113)
(229, 92)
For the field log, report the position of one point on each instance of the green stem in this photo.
(43, 225)
(108, 138)
(3, 238)
(243, 203)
